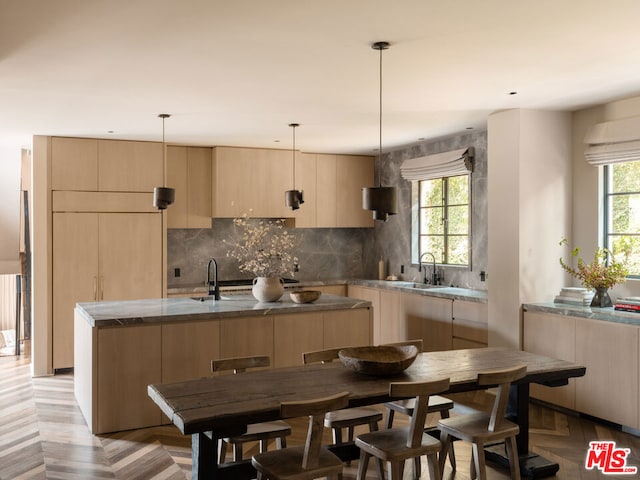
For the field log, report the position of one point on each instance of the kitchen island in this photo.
(121, 347)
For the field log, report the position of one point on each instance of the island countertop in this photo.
(150, 311)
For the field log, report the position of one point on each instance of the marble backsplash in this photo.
(345, 253)
(323, 253)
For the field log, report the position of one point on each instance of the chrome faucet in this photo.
(434, 275)
(216, 288)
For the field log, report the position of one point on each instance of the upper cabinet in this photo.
(95, 165)
(189, 173)
(251, 181)
(332, 186)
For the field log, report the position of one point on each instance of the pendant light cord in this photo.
(293, 152)
(380, 132)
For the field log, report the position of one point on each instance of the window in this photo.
(622, 212)
(444, 219)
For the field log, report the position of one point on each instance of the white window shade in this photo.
(446, 164)
(613, 142)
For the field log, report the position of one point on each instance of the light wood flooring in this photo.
(43, 435)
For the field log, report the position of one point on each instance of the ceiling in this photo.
(237, 72)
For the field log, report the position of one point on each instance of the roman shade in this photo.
(446, 164)
(613, 142)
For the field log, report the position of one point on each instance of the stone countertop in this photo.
(607, 314)
(161, 310)
(442, 291)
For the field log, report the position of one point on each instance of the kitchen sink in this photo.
(209, 298)
(421, 286)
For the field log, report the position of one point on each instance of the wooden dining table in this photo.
(216, 407)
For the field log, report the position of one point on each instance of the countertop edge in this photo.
(603, 314)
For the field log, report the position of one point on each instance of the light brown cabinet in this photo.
(332, 186)
(189, 173)
(251, 181)
(370, 295)
(428, 318)
(85, 164)
(608, 350)
(552, 335)
(115, 364)
(470, 322)
(101, 256)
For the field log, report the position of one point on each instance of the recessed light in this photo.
(421, 139)
(469, 128)
(513, 93)
(109, 131)
(276, 141)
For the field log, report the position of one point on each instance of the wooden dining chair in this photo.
(348, 418)
(310, 460)
(257, 432)
(396, 445)
(437, 404)
(482, 428)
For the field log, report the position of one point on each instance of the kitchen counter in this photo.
(120, 347)
(606, 314)
(162, 310)
(441, 291)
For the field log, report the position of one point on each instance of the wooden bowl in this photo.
(305, 296)
(380, 361)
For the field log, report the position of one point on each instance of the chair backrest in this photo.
(316, 409)
(239, 364)
(421, 391)
(502, 379)
(322, 356)
(417, 343)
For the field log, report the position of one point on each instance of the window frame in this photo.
(416, 223)
(607, 196)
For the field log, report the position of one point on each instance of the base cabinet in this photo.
(114, 365)
(608, 350)
(470, 323)
(428, 318)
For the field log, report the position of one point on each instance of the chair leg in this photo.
(445, 439)
(417, 468)
(512, 455)
(259, 476)
(390, 418)
(281, 442)
(264, 445)
(350, 434)
(363, 463)
(478, 454)
(434, 467)
(373, 426)
(380, 468)
(452, 456)
(396, 469)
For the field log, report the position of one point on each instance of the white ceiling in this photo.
(237, 72)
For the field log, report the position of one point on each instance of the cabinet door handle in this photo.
(101, 288)
(95, 289)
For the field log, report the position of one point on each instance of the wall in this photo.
(10, 159)
(393, 238)
(529, 194)
(587, 190)
(346, 253)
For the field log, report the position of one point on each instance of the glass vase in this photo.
(601, 298)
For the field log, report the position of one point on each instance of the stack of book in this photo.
(574, 296)
(628, 304)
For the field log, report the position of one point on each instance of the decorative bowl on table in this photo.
(380, 361)
(305, 296)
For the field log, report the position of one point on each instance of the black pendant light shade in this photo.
(383, 201)
(163, 196)
(293, 198)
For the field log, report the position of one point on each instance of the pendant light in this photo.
(381, 200)
(293, 198)
(163, 196)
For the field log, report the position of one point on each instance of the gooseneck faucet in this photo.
(216, 288)
(434, 275)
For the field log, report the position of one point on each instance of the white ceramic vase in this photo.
(268, 289)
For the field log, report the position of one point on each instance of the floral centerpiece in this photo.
(602, 273)
(264, 248)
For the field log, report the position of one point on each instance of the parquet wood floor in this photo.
(43, 435)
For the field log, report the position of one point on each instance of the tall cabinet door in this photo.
(130, 256)
(75, 276)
